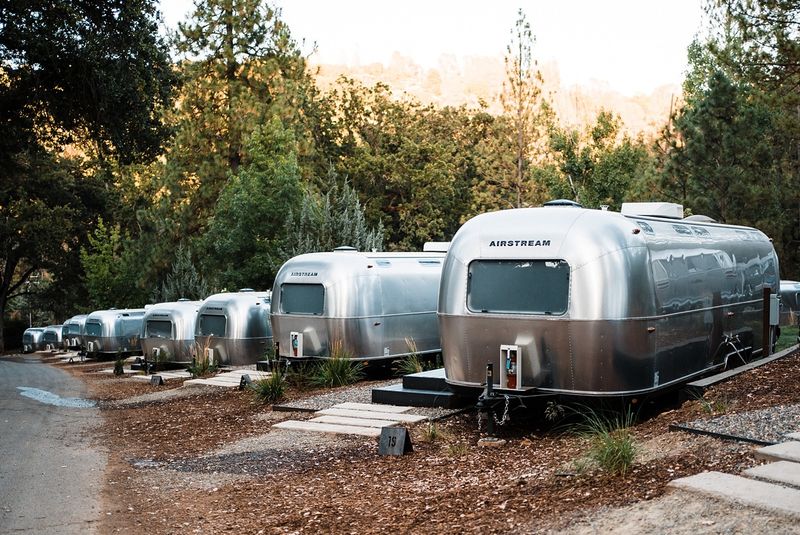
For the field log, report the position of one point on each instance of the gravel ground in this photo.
(361, 393)
(762, 426)
(159, 396)
(679, 513)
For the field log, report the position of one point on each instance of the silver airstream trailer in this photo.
(233, 328)
(32, 339)
(790, 303)
(73, 332)
(568, 300)
(168, 331)
(108, 332)
(52, 338)
(376, 305)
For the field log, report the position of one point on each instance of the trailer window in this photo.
(211, 325)
(518, 286)
(302, 298)
(72, 328)
(159, 329)
(94, 329)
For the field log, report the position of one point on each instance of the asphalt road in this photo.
(51, 474)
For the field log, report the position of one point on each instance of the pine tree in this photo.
(324, 223)
(183, 281)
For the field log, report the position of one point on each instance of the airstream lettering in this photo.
(233, 328)
(519, 243)
(108, 332)
(377, 305)
(168, 331)
(618, 304)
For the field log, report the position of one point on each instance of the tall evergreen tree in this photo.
(183, 280)
(523, 105)
(323, 223)
(241, 68)
(243, 237)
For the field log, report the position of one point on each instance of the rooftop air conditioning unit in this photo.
(656, 209)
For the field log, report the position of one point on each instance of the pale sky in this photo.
(633, 45)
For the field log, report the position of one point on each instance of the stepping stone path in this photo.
(230, 379)
(773, 487)
(362, 419)
(166, 375)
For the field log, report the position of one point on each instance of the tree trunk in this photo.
(2, 322)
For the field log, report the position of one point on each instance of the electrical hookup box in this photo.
(511, 367)
(295, 344)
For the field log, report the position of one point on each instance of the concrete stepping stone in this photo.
(371, 407)
(400, 417)
(230, 379)
(785, 451)
(319, 427)
(783, 472)
(750, 492)
(177, 374)
(362, 422)
(125, 371)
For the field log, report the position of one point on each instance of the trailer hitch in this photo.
(487, 403)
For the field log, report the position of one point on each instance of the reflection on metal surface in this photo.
(169, 328)
(49, 398)
(113, 331)
(375, 304)
(643, 310)
(235, 326)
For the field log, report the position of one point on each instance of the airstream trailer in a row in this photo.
(73, 332)
(376, 305)
(233, 328)
(52, 338)
(168, 331)
(790, 302)
(32, 339)
(596, 303)
(109, 332)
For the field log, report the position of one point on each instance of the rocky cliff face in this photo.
(473, 80)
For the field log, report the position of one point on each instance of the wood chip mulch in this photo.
(448, 484)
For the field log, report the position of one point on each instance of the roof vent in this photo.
(655, 209)
(436, 246)
(346, 249)
(563, 202)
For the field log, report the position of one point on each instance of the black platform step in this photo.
(429, 380)
(399, 395)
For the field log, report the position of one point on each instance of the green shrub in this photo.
(711, 406)
(300, 374)
(270, 390)
(414, 363)
(459, 449)
(612, 444)
(432, 433)
(408, 365)
(201, 365)
(338, 370)
(119, 365)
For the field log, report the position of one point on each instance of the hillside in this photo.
(455, 81)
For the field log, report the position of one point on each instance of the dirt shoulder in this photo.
(210, 462)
